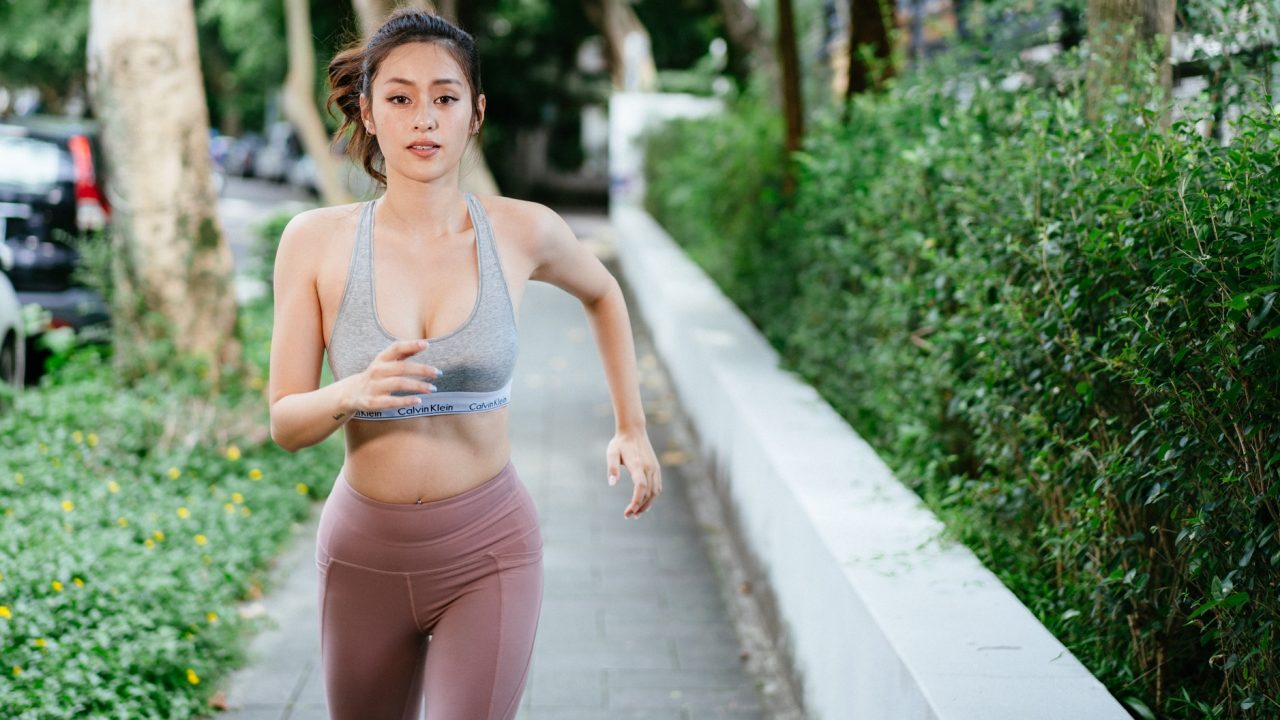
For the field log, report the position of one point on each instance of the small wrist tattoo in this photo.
(339, 416)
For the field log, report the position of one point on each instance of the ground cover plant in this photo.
(1060, 332)
(133, 522)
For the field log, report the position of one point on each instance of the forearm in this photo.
(611, 325)
(304, 419)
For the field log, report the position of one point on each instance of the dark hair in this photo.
(351, 75)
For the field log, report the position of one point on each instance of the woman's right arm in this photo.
(302, 412)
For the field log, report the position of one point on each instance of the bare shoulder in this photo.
(311, 234)
(525, 224)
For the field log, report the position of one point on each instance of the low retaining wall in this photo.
(878, 618)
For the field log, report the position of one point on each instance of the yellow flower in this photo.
(113, 486)
(213, 617)
(1, 576)
(207, 559)
(68, 506)
(4, 612)
(56, 586)
(78, 437)
(255, 474)
(174, 473)
(158, 535)
(237, 498)
(301, 488)
(78, 582)
(57, 462)
(17, 671)
(40, 642)
(148, 543)
(184, 513)
(255, 383)
(93, 440)
(44, 449)
(245, 511)
(123, 521)
(233, 453)
(192, 677)
(201, 539)
(229, 507)
(18, 478)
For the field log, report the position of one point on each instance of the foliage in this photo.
(1063, 336)
(708, 213)
(135, 519)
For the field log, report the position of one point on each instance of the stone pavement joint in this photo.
(634, 620)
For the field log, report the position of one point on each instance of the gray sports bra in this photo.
(478, 359)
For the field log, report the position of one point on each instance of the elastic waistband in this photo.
(443, 403)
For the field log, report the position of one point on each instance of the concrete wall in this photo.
(879, 618)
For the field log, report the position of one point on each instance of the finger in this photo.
(613, 459)
(402, 384)
(638, 496)
(655, 489)
(401, 349)
(407, 367)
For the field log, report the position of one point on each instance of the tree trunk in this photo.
(745, 33)
(630, 57)
(299, 101)
(1117, 29)
(792, 102)
(867, 27)
(172, 269)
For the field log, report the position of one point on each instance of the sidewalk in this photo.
(633, 623)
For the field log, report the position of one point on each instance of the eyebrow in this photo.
(437, 81)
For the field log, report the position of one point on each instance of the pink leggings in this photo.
(465, 570)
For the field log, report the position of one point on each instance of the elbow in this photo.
(282, 438)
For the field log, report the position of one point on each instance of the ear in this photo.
(480, 102)
(366, 114)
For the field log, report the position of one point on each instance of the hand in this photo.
(389, 372)
(633, 450)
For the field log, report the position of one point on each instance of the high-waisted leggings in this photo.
(438, 599)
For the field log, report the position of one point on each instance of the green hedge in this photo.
(132, 521)
(1061, 333)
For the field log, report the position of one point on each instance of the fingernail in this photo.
(613, 480)
(439, 372)
(433, 387)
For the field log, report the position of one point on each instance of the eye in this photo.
(393, 99)
(448, 97)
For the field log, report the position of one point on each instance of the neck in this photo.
(427, 211)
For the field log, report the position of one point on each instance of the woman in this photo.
(429, 533)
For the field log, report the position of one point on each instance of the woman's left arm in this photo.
(561, 260)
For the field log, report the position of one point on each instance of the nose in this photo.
(423, 119)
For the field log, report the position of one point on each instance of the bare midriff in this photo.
(427, 458)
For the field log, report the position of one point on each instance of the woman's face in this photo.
(420, 111)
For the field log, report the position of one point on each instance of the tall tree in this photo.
(172, 268)
(300, 104)
(867, 29)
(630, 57)
(792, 101)
(1118, 29)
(743, 28)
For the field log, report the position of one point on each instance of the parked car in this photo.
(242, 154)
(278, 153)
(52, 191)
(13, 345)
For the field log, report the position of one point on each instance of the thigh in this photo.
(371, 648)
(478, 659)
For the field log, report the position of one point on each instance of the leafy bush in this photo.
(1062, 334)
(134, 520)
